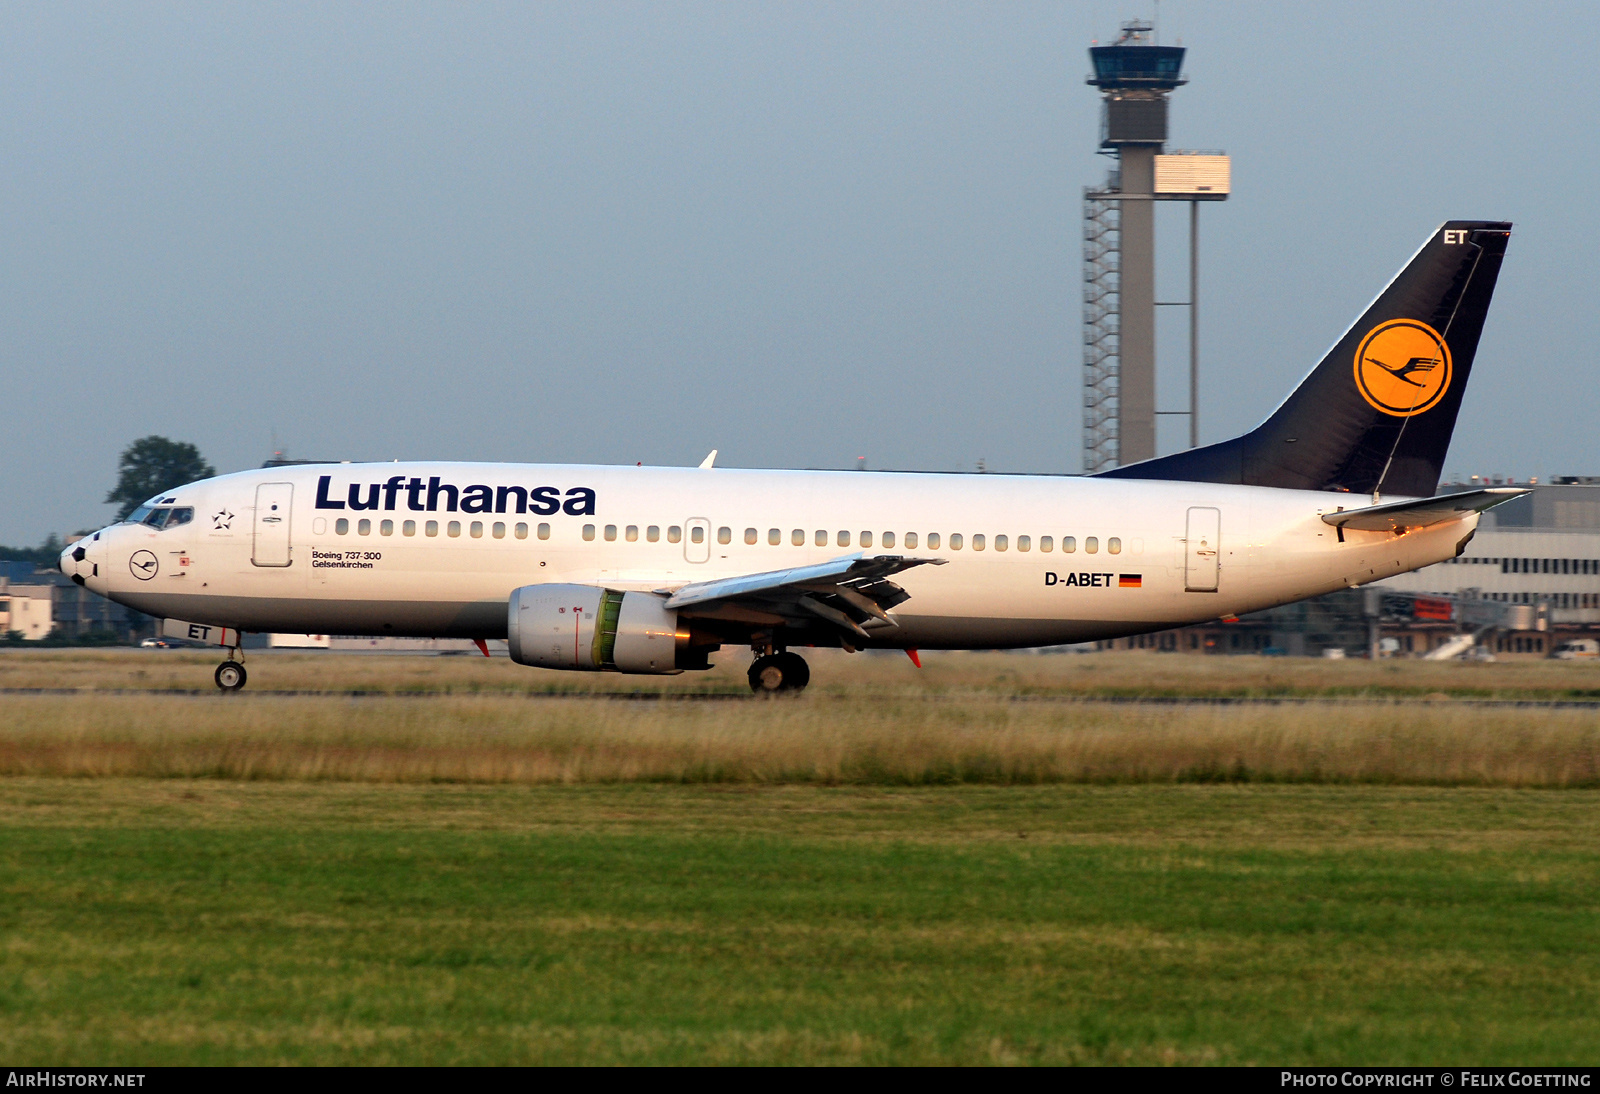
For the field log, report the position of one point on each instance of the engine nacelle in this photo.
(591, 629)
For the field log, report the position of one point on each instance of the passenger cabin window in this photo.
(1001, 543)
(1069, 544)
(842, 539)
(977, 542)
(341, 526)
(751, 535)
(724, 535)
(611, 533)
(499, 530)
(820, 538)
(798, 537)
(888, 539)
(522, 531)
(911, 541)
(1047, 544)
(697, 534)
(363, 527)
(386, 528)
(933, 541)
(544, 531)
(866, 539)
(431, 528)
(1024, 543)
(631, 533)
(1114, 545)
(1090, 545)
(409, 528)
(451, 529)
(653, 533)
(774, 536)
(955, 541)
(588, 533)
(674, 534)
(477, 529)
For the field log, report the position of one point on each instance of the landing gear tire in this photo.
(779, 673)
(230, 676)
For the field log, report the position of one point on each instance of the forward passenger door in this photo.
(273, 502)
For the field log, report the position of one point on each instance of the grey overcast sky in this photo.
(799, 233)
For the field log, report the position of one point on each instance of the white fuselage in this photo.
(444, 545)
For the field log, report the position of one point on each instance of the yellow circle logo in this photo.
(1403, 367)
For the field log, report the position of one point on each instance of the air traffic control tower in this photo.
(1135, 76)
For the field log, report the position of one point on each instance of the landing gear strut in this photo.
(773, 673)
(230, 675)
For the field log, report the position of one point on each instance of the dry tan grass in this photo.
(834, 673)
(813, 740)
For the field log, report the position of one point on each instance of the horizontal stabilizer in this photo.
(1397, 516)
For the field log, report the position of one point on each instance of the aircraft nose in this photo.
(69, 561)
(76, 561)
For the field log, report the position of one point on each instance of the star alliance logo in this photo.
(221, 521)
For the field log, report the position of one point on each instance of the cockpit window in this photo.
(138, 515)
(168, 518)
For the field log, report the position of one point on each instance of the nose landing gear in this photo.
(230, 675)
(775, 673)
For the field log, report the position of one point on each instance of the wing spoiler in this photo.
(1397, 516)
(854, 572)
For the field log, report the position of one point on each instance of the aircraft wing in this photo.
(852, 592)
(1396, 516)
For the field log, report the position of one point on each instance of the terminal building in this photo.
(1541, 553)
(36, 602)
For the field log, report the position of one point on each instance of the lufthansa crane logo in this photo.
(1403, 367)
(143, 565)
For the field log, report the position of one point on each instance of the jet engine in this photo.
(593, 629)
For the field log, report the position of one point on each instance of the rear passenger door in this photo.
(1202, 550)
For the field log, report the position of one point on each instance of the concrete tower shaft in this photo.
(1137, 390)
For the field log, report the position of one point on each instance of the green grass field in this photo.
(834, 675)
(204, 921)
(984, 863)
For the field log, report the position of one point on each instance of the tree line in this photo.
(147, 467)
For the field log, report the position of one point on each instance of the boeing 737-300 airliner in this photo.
(651, 570)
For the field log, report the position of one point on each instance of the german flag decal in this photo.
(1130, 581)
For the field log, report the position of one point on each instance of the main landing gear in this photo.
(230, 675)
(775, 673)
